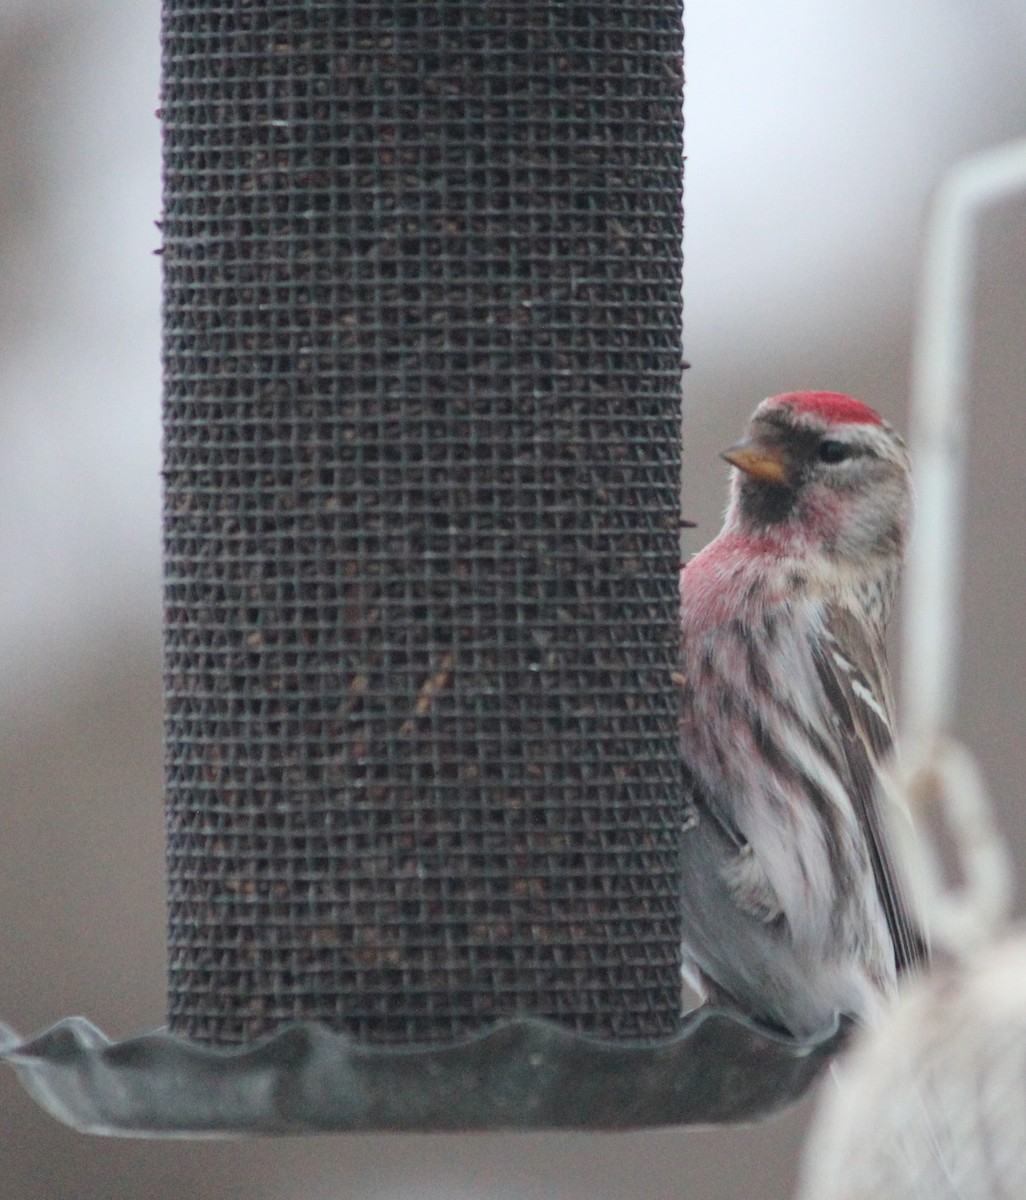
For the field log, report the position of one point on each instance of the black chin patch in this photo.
(766, 503)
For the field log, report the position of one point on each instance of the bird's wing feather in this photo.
(851, 668)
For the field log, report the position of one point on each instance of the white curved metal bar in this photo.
(939, 424)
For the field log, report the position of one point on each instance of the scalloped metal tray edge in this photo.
(526, 1074)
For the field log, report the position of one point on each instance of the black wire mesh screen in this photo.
(422, 291)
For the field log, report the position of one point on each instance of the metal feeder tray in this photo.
(524, 1074)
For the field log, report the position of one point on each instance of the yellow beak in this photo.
(766, 463)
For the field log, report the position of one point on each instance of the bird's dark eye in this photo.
(833, 452)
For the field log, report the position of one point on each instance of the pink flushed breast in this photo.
(720, 579)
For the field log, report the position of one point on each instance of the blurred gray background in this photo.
(815, 134)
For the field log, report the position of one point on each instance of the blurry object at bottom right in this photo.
(931, 1102)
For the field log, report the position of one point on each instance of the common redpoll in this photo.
(792, 909)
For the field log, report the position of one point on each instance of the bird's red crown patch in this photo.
(835, 407)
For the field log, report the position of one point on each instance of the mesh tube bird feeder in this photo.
(422, 360)
(422, 276)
